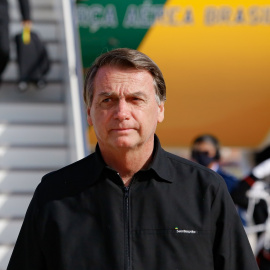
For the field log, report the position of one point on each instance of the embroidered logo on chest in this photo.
(185, 231)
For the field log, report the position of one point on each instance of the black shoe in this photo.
(22, 86)
(40, 84)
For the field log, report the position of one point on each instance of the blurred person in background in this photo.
(4, 29)
(256, 186)
(261, 171)
(206, 151)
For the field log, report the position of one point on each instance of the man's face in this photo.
(124, 110)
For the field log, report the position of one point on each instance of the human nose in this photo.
(122, 110)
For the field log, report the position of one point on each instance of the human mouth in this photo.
(123, 130)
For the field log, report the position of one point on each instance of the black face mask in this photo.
(202, 158)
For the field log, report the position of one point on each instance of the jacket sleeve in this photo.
(27, 254)
(231, 248)
(25, 9)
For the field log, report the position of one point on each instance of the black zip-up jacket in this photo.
(175, 215)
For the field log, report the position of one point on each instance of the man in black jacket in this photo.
(130, 205)
(4, 29)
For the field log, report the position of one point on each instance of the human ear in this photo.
(161, 112)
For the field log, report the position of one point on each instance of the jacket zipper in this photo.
(126, 228)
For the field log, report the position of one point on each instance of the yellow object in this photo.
(215, 58)
(26, 35)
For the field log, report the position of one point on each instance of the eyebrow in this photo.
(138, 94)
(110, 94)
(105, 94)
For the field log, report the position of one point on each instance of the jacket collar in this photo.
(160, 163)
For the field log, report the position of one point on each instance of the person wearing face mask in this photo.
(206, 151)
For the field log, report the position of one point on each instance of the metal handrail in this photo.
(75, 77)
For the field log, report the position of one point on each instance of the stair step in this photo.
(21, 168)
(55, 72)
(32, 135)
(38, 13)
(14, 206)
(33, 3)
(45, 31)
(32, 113)
(5, 253)
(52, 92)
(20, 181)
(27, 158)
(9, 231)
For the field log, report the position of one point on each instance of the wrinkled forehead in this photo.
(108, 68)
(108, 76)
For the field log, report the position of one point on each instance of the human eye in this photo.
(137, 100)
(136, 97)
(133, 100)
(106, 100)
